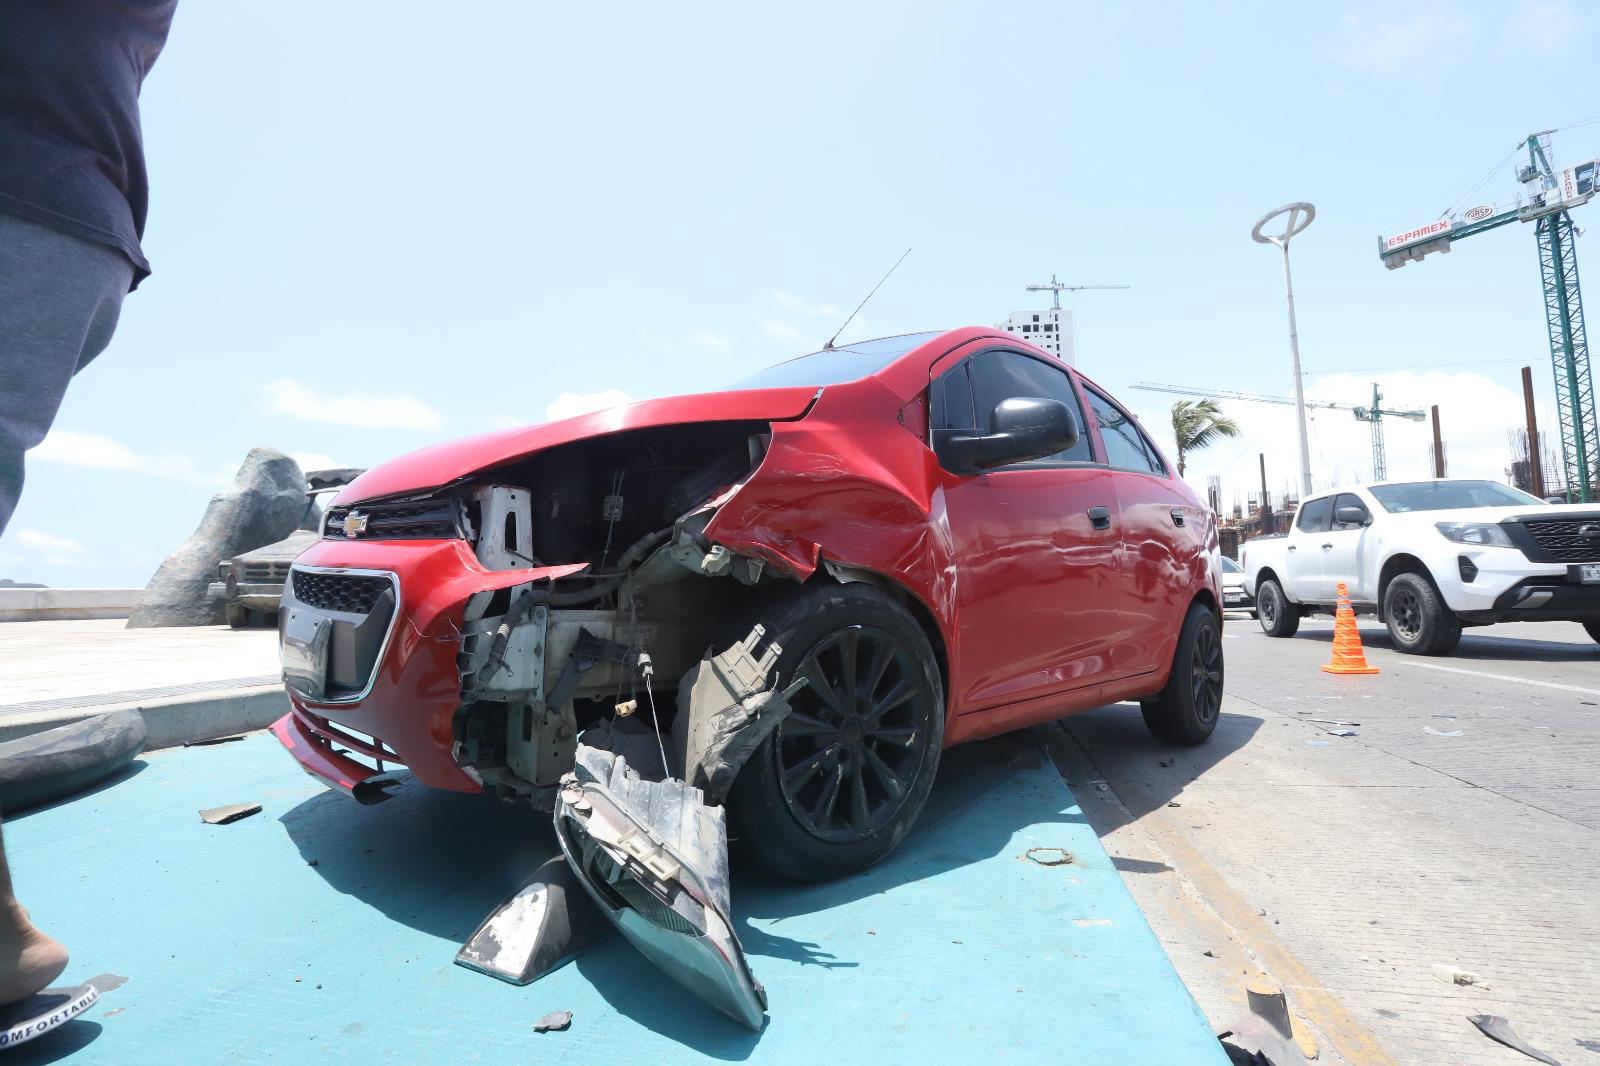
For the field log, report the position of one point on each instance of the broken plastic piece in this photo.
(1498, 1029)
(725, 712)
(1266, 1031)
(540, 927)
(1432, 732)
(557, 1021)
(232, 812)
(654, 857)
(1452, 975)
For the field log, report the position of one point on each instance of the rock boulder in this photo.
(264, 504)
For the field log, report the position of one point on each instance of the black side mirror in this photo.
(1021, 428)
(1351, 515)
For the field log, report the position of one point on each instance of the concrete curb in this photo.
(172, 720)
(34, 605)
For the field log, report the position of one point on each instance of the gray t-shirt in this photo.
(71, 155)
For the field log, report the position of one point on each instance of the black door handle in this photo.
(1100, 517)
(1327, 547)
(1293, 547)
(1177, 517)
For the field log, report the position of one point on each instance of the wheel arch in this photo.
(844, 573)
(1397, 564)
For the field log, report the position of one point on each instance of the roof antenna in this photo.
(829, 346)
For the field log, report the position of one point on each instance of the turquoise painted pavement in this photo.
(322, 931)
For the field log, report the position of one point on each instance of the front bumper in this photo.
(1543, 599)
(1235, 598)
(404, 695)
(1496, 573)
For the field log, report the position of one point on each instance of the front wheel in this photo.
(1278, 617)
(1419, 622)
(1186, 711)
(842, 778)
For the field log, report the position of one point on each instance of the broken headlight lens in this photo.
(1486, 534)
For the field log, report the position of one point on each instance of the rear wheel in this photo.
(238, 615)
(1278, 617)
(1593, 629)
(1418, 620)
(842, 779)
(1186, 711)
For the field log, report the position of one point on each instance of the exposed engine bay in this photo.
(542, 662)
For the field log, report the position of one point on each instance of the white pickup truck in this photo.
(1429, 557)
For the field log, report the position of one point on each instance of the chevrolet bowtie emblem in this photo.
(355, 524)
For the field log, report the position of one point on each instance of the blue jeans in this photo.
(59, 300)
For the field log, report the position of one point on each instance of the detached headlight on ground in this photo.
(1483, 533)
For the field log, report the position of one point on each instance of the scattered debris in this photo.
(1048, 856)
(543, 925)
(1331, 721)
(1341, 732)
(1082, 922)
(230, 813)
(557, 1021)
(113, 1013)
(1174, 803)
(211, 740)
(1451, 975)
(1498, 1029)
(1265, 1034)
(1318, 743)
(1208, 953)
(1432, 732)
(312, 862)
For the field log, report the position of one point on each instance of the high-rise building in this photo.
(1049, 328)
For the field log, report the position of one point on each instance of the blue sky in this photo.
(377, 226)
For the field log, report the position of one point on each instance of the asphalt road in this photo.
(1456, 828)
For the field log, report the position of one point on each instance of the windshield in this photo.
(834, 366)
(1446, 495)
(1230, 567)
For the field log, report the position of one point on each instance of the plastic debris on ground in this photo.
(229, 813)
(1432, 732)
(1452, 975)
(1498, 1029)
(557, 1021)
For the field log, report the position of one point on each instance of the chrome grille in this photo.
(1565, 540)
(349, 593)
(433, 519)
(264, 573)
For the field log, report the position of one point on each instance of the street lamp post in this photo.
(1300, 215)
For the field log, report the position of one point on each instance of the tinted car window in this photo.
(952, 399)
(1231, 567)
(1002, 375)
(833, 366)
(1126, 447)
(1315, 515)
(1346, 499)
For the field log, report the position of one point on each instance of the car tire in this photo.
(1593, 629)
(238, 615)
(1255, 614)
(1418, 620)
(841, 780)
(1186, 710)
(1278, 617)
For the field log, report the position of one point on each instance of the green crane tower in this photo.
(1548, 195)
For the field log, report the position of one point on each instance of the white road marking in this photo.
(1507, 677)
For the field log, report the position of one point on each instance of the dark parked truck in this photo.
(772, 605)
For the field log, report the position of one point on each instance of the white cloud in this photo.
(693, 340)
(784, 331)
(707, 340)
(506, 421)
(795, 303)
(1387, 45)
(364, 410)
(57, 551)
(314, 461)
(569, 404)
(103, 453)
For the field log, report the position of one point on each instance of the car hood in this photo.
(1487, 514)
(441, 464)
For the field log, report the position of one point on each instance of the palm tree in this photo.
(1199, 424)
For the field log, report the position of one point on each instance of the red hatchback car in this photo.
(820, 577)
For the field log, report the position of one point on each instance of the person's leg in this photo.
(59, 301)
(29, 960)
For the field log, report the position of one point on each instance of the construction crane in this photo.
(1548, 194)
(1056, 288)
(1374, 413)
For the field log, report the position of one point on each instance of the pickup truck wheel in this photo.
(238, 615)
(841, 780)
(1185, 712)
(1418, 620)
(1278, 617)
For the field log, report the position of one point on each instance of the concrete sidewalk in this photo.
(189, 683)
(323, 931)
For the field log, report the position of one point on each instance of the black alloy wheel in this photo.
(1405, 614)
(1205, 675)
(850, 748)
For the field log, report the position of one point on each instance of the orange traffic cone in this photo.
(1348, 658)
